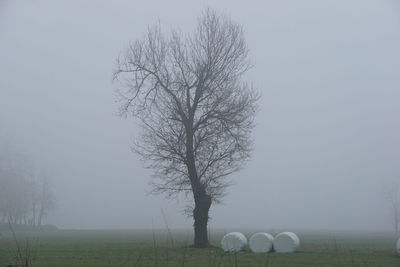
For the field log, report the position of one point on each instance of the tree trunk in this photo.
(200, 215)
(33, 213)
(41, 213)
(39, 223)
(201, 199)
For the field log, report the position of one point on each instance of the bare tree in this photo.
(45, 200)
(391, 193)
(197, 113)
(25, 197)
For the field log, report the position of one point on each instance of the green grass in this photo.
(147, 248)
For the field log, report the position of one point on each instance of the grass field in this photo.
(162, 248)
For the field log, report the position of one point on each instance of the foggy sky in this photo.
(327, 135)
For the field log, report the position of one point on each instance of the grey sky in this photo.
(327, 135)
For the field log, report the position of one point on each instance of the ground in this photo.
(98, 248)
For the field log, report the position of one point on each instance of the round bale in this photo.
(233, 242)
(261, 242)
(286, 242)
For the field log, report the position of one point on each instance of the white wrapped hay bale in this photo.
(261, 242)
(398, 246)
(233, 242)
(286, 242)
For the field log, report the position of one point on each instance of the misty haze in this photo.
(309, 98)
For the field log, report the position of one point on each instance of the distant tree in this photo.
(197, 113)
(45, 200)
(15, 172)
(391, 193)
(25, 197)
